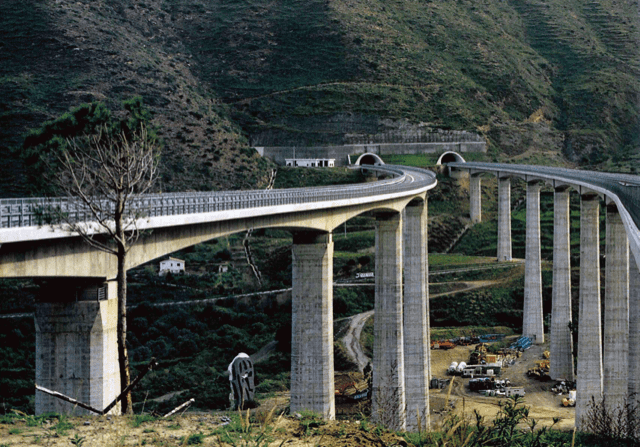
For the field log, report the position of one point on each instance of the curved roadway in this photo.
(165, 210)
(622, 189)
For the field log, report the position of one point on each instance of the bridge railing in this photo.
(42, 211)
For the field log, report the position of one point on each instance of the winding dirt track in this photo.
(351, 340)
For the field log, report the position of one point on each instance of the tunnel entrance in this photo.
(450, 157)
(369, 159)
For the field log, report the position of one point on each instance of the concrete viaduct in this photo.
(615, 370)
(76, 348)
(75, 326)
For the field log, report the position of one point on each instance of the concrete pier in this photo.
(388, 398)
(589, 380)
(561, 339)
(504, 219)
(533, 324)
(417, 353)
(616, 312)
(77, 346)
(312, 379)
(475, 193)
(634, 332)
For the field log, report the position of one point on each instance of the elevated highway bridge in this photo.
(75, 327)
(612, 368)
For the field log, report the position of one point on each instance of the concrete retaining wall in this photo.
(340, 153)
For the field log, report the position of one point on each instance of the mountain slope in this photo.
(497, 66)
(56, 55)
(531, 75)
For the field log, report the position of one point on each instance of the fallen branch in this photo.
(150, 366)
(67, 399)
(61, 396)
(184, 405)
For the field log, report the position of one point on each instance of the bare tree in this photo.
(102, 174)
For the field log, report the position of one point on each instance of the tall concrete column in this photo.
(312, 379)
(533, 324)
(561, 339)
(504, 219)
(634, 331)
(589, 380)
(417, 353)
(388, 398)
(475, 193)
(616, 312)
(77, 346)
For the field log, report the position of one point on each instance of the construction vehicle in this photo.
(522, 344)
(442, 344)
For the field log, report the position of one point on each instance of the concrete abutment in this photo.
(76, 346)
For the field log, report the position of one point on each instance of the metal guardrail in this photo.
(33, 211)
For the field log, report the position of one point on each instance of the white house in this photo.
(172, 265)
(311, 162)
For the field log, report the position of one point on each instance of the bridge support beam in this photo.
(634, 333)
(77, 346)
(504, 219)
(312, 377)
(589, 380)
(533, 324)
(616, 312)
(417, 353)
(561, 339)
(388, 394)
(475, 193)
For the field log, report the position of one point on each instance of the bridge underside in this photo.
(72, 257)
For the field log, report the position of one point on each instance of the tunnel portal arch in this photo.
(369, 159)
(450, 156)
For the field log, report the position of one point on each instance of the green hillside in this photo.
(552, 76)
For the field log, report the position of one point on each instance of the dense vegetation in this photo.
(532, 76)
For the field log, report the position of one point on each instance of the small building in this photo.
(223, 268)
(171, 265)
(311, 162)
(514, 391)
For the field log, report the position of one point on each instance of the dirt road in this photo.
(351, 340)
